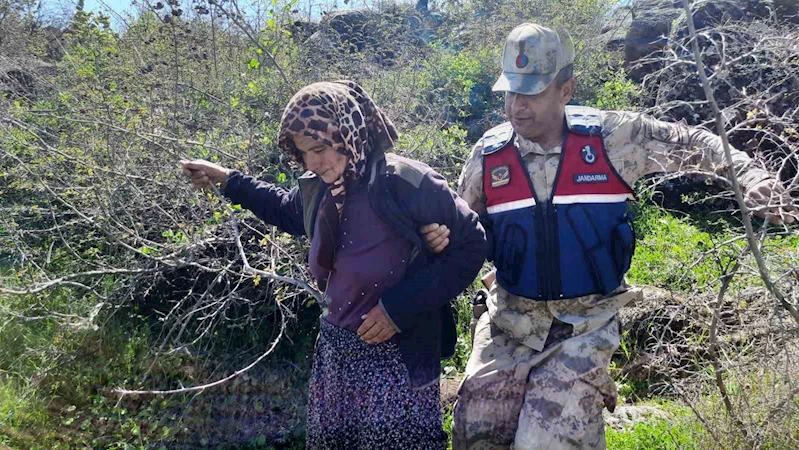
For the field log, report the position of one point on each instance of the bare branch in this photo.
(221, 381)
(68, 278)
(722, 132)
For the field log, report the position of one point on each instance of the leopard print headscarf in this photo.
(342, 116)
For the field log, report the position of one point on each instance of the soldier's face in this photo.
(536, 117)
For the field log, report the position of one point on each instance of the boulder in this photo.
(22, 76)
(709, 13)
(655, 21)
(303, 29)
(320, 42)
(381, 36)
(648, 33)
(665, 333)
(350, 26)
(787, 9)
(613, 34)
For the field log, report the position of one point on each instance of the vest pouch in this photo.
(623, 245)
(509, 248)
(597, 250)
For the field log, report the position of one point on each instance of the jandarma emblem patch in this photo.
(580, 178)
(500, 176)
(589, 154)
(522, 59)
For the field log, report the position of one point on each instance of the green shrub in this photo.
(461, 80)
(445, 150)
(616, 92)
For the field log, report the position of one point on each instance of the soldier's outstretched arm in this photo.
(638, 145)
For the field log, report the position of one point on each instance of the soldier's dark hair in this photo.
(565, 74)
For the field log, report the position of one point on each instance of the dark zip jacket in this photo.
(405, 194)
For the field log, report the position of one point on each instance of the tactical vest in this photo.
(579, 241)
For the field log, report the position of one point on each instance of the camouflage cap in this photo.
(532, 58)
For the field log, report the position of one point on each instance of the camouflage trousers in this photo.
(514, 397)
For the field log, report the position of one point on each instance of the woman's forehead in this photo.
(304, 142)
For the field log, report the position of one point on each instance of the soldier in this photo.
(552, 188)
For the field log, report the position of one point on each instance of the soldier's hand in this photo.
(436, 237)
(204, 173)
(376, 327)
(768, 199)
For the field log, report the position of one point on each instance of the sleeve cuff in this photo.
(749, 181)
(224, 184)
(390, 321)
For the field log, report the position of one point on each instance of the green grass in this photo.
(668, 251)
(658, 435)
(678, 434)
(680, 431)
(681, 253)
(447, 422)
(19, 405)
(50, 378)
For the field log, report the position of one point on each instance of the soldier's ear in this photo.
(567, 91)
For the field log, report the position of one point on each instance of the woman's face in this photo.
(324, 161)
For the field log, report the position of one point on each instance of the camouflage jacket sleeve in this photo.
(638, 144)
(470, 188)
(470, 183)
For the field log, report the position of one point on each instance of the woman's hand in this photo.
(376, 326)
(436, 237)
(204, 173)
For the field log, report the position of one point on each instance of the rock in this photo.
(614, 32)
(653, 297)
(22, 76)
(349, 25)
(625, 417)
(709, 13)
(665, 334)
(303, 29)
(787, 10)
(449, 391)
(655, 21)
(657, 329)
(381, 36)
(320, 41)
(413, 22)
(648, 33)
(322, 47)
(433, 20)
(54, 49)
(423, 26)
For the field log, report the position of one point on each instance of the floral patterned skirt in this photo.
(360, 398)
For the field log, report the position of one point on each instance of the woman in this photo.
(388, 321)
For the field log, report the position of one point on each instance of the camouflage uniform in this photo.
(537, 377)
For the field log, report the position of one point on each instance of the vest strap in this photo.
(584, 120)
(497, 138)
